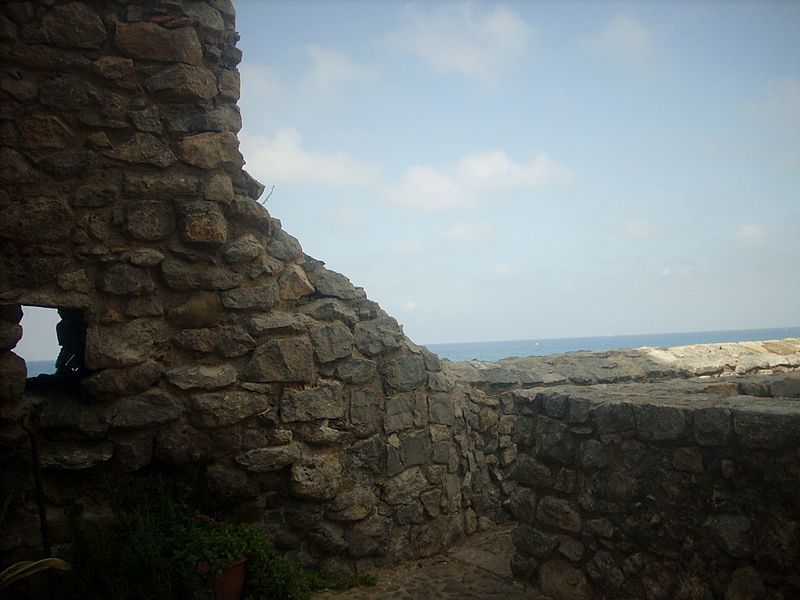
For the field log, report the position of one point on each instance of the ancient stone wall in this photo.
(214, 348)
(681, 489)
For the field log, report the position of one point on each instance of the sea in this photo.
(545, 346)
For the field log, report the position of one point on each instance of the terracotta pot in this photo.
(230, 582)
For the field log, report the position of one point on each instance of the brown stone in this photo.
(122, 279)
(202, 377)
(210, 150)
(150, 220)
(202, 309)
(149, 41)
(43, 131)
(316, 478)
(143, 148)
(561, 581)
(114, 67)
(120, 345)
(184, 276)
(12, 375)
(263, 297)
(203, 222)
(294, 284)
(74, 25)
(183, 82)
(218, 409)
(36, 220)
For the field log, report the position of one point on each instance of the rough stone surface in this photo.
(286, 359)
(316, 478)
(149, 41)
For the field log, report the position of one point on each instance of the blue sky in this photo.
(492, 171)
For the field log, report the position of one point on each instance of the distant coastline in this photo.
(543, 347)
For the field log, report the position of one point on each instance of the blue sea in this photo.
(543, 347)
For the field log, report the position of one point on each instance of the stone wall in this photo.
(674, 490)
(215, 349)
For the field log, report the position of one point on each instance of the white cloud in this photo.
(504, 270)
(474, 178)
(409, 306)
(462, 38)
(349, 219)
(330, 71)
(626, 38)
(638, 229)
(467, 233)
(751, 235)
(281, 158)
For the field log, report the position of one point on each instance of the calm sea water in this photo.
(498, 350)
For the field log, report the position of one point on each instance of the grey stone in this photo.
(378, 335)
(405, 487)
(767, 426)
(403, 371)
(150, 220)
(712, 425)
(143, 148)
(415, 448)
(148, 41)
(336, 285)
(164, 186)
(120, 345)
(262, 298)
(321, 402)
(10, 334)
(559, 513)
(592, 455)
(124, 280)
(398, 413)
(59, 414)
(36, 220)
(182, 445)
(204, 16)
(147, 120)
(689, 460)
(277, 323)
(223, 118)
(250, 212)
(75, 455)
(554, 440)
(218, 188)
(330, 309)
(732, 533)
(355, 370)
(286, 359)
(145, 410)
(284, 246)
(561, 581)
(184, 82)
(227, 483)
(332, 341)
(121, 382)
(353, 503)
(660, 423)
(369, 537)
(528, 471)
(193, 377)
(93, 196)
(218, 409)
(183, 276)
(365, 409)
(243, 249)
(612, 418)
(146, 257)
(316, 478)
(265, 460)
(441, 409)
(533, 542)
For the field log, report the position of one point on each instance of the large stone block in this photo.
(36, 220)
(183, 82)
(316, 478)
(144, 149)
(559, 513)
(194, 377)
(561, 581)
(399, 413)
(660, 423)
(150, 220)
(145, 410)
(120, 345)
(126, 280)
(203, 222)
(294, 284)
(218, 409)
(403, 371)
(74, 25)
(286, 359)
(365, 409)
(405, 487)
(712, 425)
(109, 383)
(148, 41)
(210, 150)
(183, 276)
(369, 537)
(378, 335)
(265, 460)
(353, 503)
(261, 298)
(332, 341)
(322, 402)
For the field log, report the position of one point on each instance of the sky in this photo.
(497, 171)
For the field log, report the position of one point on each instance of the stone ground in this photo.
(478, 568)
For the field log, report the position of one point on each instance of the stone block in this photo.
(210, 150)
(75, 455)
(144, 410)
(767, 426)
(533, 542)
(614, 417)
(227, 483)
(149, 41)
(243, 249)
(368, 537)
(405, 487)
(201, 377)
(353, 503)
(321, 402)
(74, 25)
(203, 222)
(36, 220)
(109, 383)
(356, 370)
(559, 513)
(265, 460)
(219, 409)
(316, 478)
(143, 149)
(261, 298)
(120, 345)
(712, 426)
(183, 276)
(365, 409)
(183, 82)
(689, 460)
(126, 280)
(399, 413)
(150, 221)
(332, 341)
(376, 336)
(403, 371)
(415, 448)
(294, 284)
(202, 309)
(732, 533)
(561, 581)
(441, 409)
(285, 359)
(660, 423)
(10, 334)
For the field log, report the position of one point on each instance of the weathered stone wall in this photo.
(685, 489)
(214, 348)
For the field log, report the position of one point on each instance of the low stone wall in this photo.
(677, 490)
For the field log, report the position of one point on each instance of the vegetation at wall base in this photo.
(152, 547)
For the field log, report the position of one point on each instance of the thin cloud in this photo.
(463, 186)
(349, 219)
(751, 235)
(625, 38)
(462, 38)
(467, 233)
(281, 158)
(504, 270)
(331, 71)
(638, 229)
